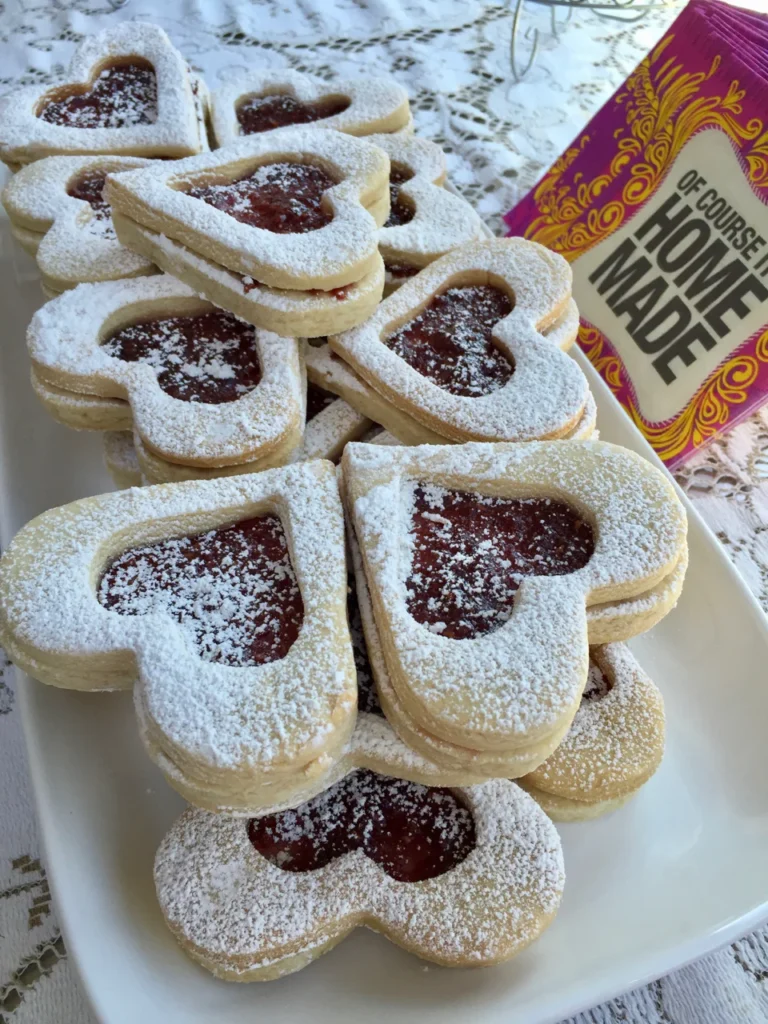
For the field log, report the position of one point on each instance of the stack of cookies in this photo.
(343, 667)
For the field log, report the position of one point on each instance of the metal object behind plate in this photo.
(616, 10)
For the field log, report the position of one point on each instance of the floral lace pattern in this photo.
(499, 136)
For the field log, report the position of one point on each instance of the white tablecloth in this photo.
(453, 57)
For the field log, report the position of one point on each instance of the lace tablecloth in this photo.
(453, 57)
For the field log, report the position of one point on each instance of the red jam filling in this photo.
(209, 358)
(122, 96)
(450, 341)
(400, 211)
(262, 113)
(340, 294)
(471, 552)
(283, 197)
(317, 400)
(412, 832)
(400, 270)
(598, 684)
(233, 590)
(367, 697)
(90, 187)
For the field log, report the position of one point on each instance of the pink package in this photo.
(661, 205)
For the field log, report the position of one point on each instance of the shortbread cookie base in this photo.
(616, 742)
(251, 793)
(561, 809)
(291, 314)
(82, 412)
(28, 239)
(157, 470)
(120, 458)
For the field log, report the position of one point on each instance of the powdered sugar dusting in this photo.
(334, 255)
(62, 197)
(233, 590)
(544, 397)
(616, 740)
(359, 106)
(238, 912)
(524, 679)
(153, 113)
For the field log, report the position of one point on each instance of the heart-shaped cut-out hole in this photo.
(233, 590)
(400, 211)
(598, 684)
(413, 832)
(89, 187)
(282, 197)
(470, 552)
(122, 96)
(450, 341)
(367, 697)
(209, 358)
(317, 400)
(262, 113)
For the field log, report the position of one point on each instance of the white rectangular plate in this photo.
(679, 871)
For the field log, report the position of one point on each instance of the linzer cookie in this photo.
(330, 423)
(466, 877)
(460, 347)
(661, 204)
(59, 214)
(223, 600)
(204, 388)
(128, 92)
(483, 561)
(615, 744)
(328, 369)
(425, 220)
(279, 228)
(262, 101)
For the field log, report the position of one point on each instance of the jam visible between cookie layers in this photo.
(450, 341)
(598, 684)
(367, 697)
(470, 553)
(400, 270)
(122, 96)
(209, 358)
(89, 186)
(262, 113)
(281, 197)
(233, 590)
(412, 832)
(317, 400)
(400, 210)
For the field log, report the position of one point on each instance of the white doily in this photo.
(453, 56)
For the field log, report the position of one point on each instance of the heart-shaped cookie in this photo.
(205, 389)
(223, 600)
(262, 101)
(462, 348)
(463, 878)
(425, 220)
(61, 200)
(278, 228)
(480, 654)
(128, 92)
